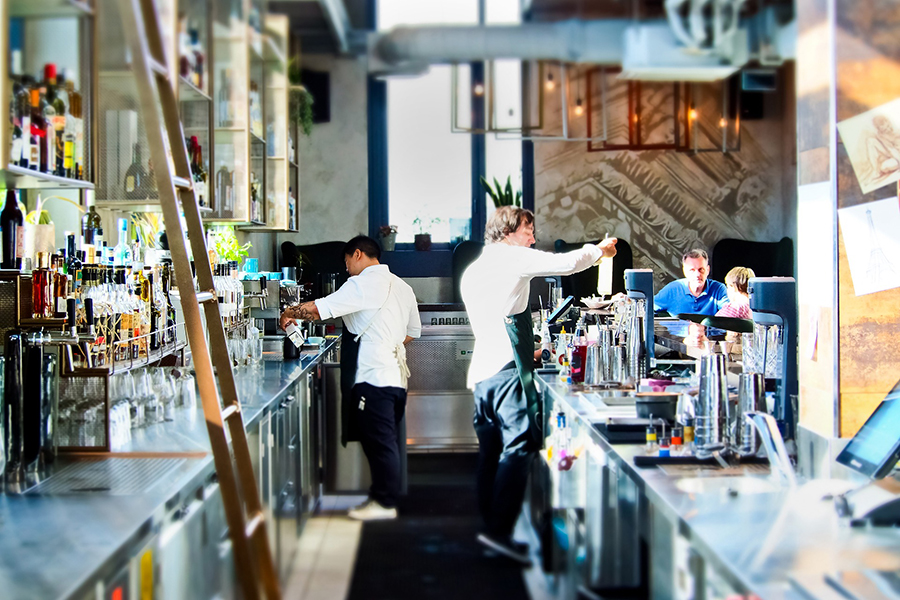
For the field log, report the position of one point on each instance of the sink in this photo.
(727, 485)
(273, 345)
(610, 397)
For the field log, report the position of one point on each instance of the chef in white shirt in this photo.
(380, 316)
(495, 289)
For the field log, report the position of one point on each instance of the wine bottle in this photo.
(12, 225)
(134, 177)
(13, 397)
(90, 222)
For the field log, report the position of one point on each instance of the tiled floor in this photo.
(326, 553)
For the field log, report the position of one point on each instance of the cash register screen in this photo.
(875, 449)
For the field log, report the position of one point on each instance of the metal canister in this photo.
(751, 397)
(605, 342)
(593, 373)
(710, 425)
(618, 364)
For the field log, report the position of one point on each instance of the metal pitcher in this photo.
(593, 366)
(710, 427)
(605, 342)
(751, 398)
(618, 364)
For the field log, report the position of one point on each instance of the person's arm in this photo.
(537, 263)
(414, 324)
(661, 299)
(349, 298)
(306, 311)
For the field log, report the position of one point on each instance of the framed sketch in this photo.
(872, 140)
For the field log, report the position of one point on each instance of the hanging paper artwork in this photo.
(872, 140)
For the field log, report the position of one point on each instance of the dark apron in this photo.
(520, 330)
(349, 360)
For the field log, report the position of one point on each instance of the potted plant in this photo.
(502, 195)
(423, 238)
(226, 246)
(388, 235)
(301, 100)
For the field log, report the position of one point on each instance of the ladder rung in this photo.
(182, 183)
(158, 68)
(254, 524)
(206, 297)
(230, 411)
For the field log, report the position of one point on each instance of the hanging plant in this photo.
(301, 100)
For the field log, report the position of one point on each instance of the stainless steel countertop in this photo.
(52, 545)
(759, 539)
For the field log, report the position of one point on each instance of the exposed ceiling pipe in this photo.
(596, 42)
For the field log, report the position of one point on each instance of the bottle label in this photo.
(69, 156)
(129, 183)
(20, 241)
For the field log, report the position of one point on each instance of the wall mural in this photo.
(663, 202)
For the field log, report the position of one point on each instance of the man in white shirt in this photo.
(380, 312)
(495, 289)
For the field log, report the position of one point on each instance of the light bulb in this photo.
(478, 89)
(579, 109)
(692, 114)
(550, 83)
(723, 122)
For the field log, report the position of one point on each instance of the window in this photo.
(429, 168)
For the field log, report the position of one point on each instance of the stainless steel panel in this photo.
(180, 545)
(346, 469)
(439, 363)
(440, 419)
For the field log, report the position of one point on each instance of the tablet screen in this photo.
(874, 450)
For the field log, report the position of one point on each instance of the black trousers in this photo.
(506, 448)
(379, 411)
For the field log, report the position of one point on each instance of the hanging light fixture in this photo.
(478, 89)
(550, 83)
(579, 109)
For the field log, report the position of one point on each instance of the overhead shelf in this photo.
(19, 177)
(187, 92)
(49, 8)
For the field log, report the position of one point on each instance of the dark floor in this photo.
(430, 552)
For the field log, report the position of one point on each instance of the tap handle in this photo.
(71, 309)
(89, 312)
(262, 284)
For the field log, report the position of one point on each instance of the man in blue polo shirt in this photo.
(695, 293)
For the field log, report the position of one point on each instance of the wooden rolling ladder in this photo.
(240, 496)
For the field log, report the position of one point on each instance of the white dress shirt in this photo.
(364, 298)
(496, 284)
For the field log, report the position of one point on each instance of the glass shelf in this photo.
(188, 92)
(19, 177)
(50, 8)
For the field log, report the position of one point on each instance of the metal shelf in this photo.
(50, 8)
(188, 92)
(139, 206)
(19, 177)
(257, 139)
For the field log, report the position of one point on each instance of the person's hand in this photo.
(286, 319)
(609, 247)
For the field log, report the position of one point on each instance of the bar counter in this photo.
(86, 519)
(752, 532)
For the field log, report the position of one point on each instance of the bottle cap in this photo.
(50, 72)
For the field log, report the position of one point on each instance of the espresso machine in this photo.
(639, 286)
(773, 301)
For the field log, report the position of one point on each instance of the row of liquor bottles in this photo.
(140, 183)
(47, 121)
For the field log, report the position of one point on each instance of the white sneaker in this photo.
(511, 550)
(372, 511)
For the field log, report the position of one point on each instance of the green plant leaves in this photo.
(502, 195)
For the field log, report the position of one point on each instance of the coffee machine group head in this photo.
(639, 285)
(773, 301)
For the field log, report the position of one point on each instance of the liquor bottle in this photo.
(38, 132)
(225, 108)
(154, 316)
(60, 285)
(90, 222)
(74, 128)
(12, 225)
(198, 171)
(134, 177)
(48, 150)
(123, 251)
(56, 97)
(41, 288)
(13, 400)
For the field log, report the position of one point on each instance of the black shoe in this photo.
(507, 548)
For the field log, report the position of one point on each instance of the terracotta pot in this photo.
(423, 241)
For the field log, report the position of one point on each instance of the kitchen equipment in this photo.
(751, 398)
(639, 286)
(658, 404)
(290, 351)
(710, 424)
(773, 301)
(618, 369)
(593, 365)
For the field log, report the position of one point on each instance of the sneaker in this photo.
(372, 511)
(507, 548)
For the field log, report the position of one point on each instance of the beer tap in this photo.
(71, 337)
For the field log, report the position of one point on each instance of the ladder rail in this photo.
(240, 492)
